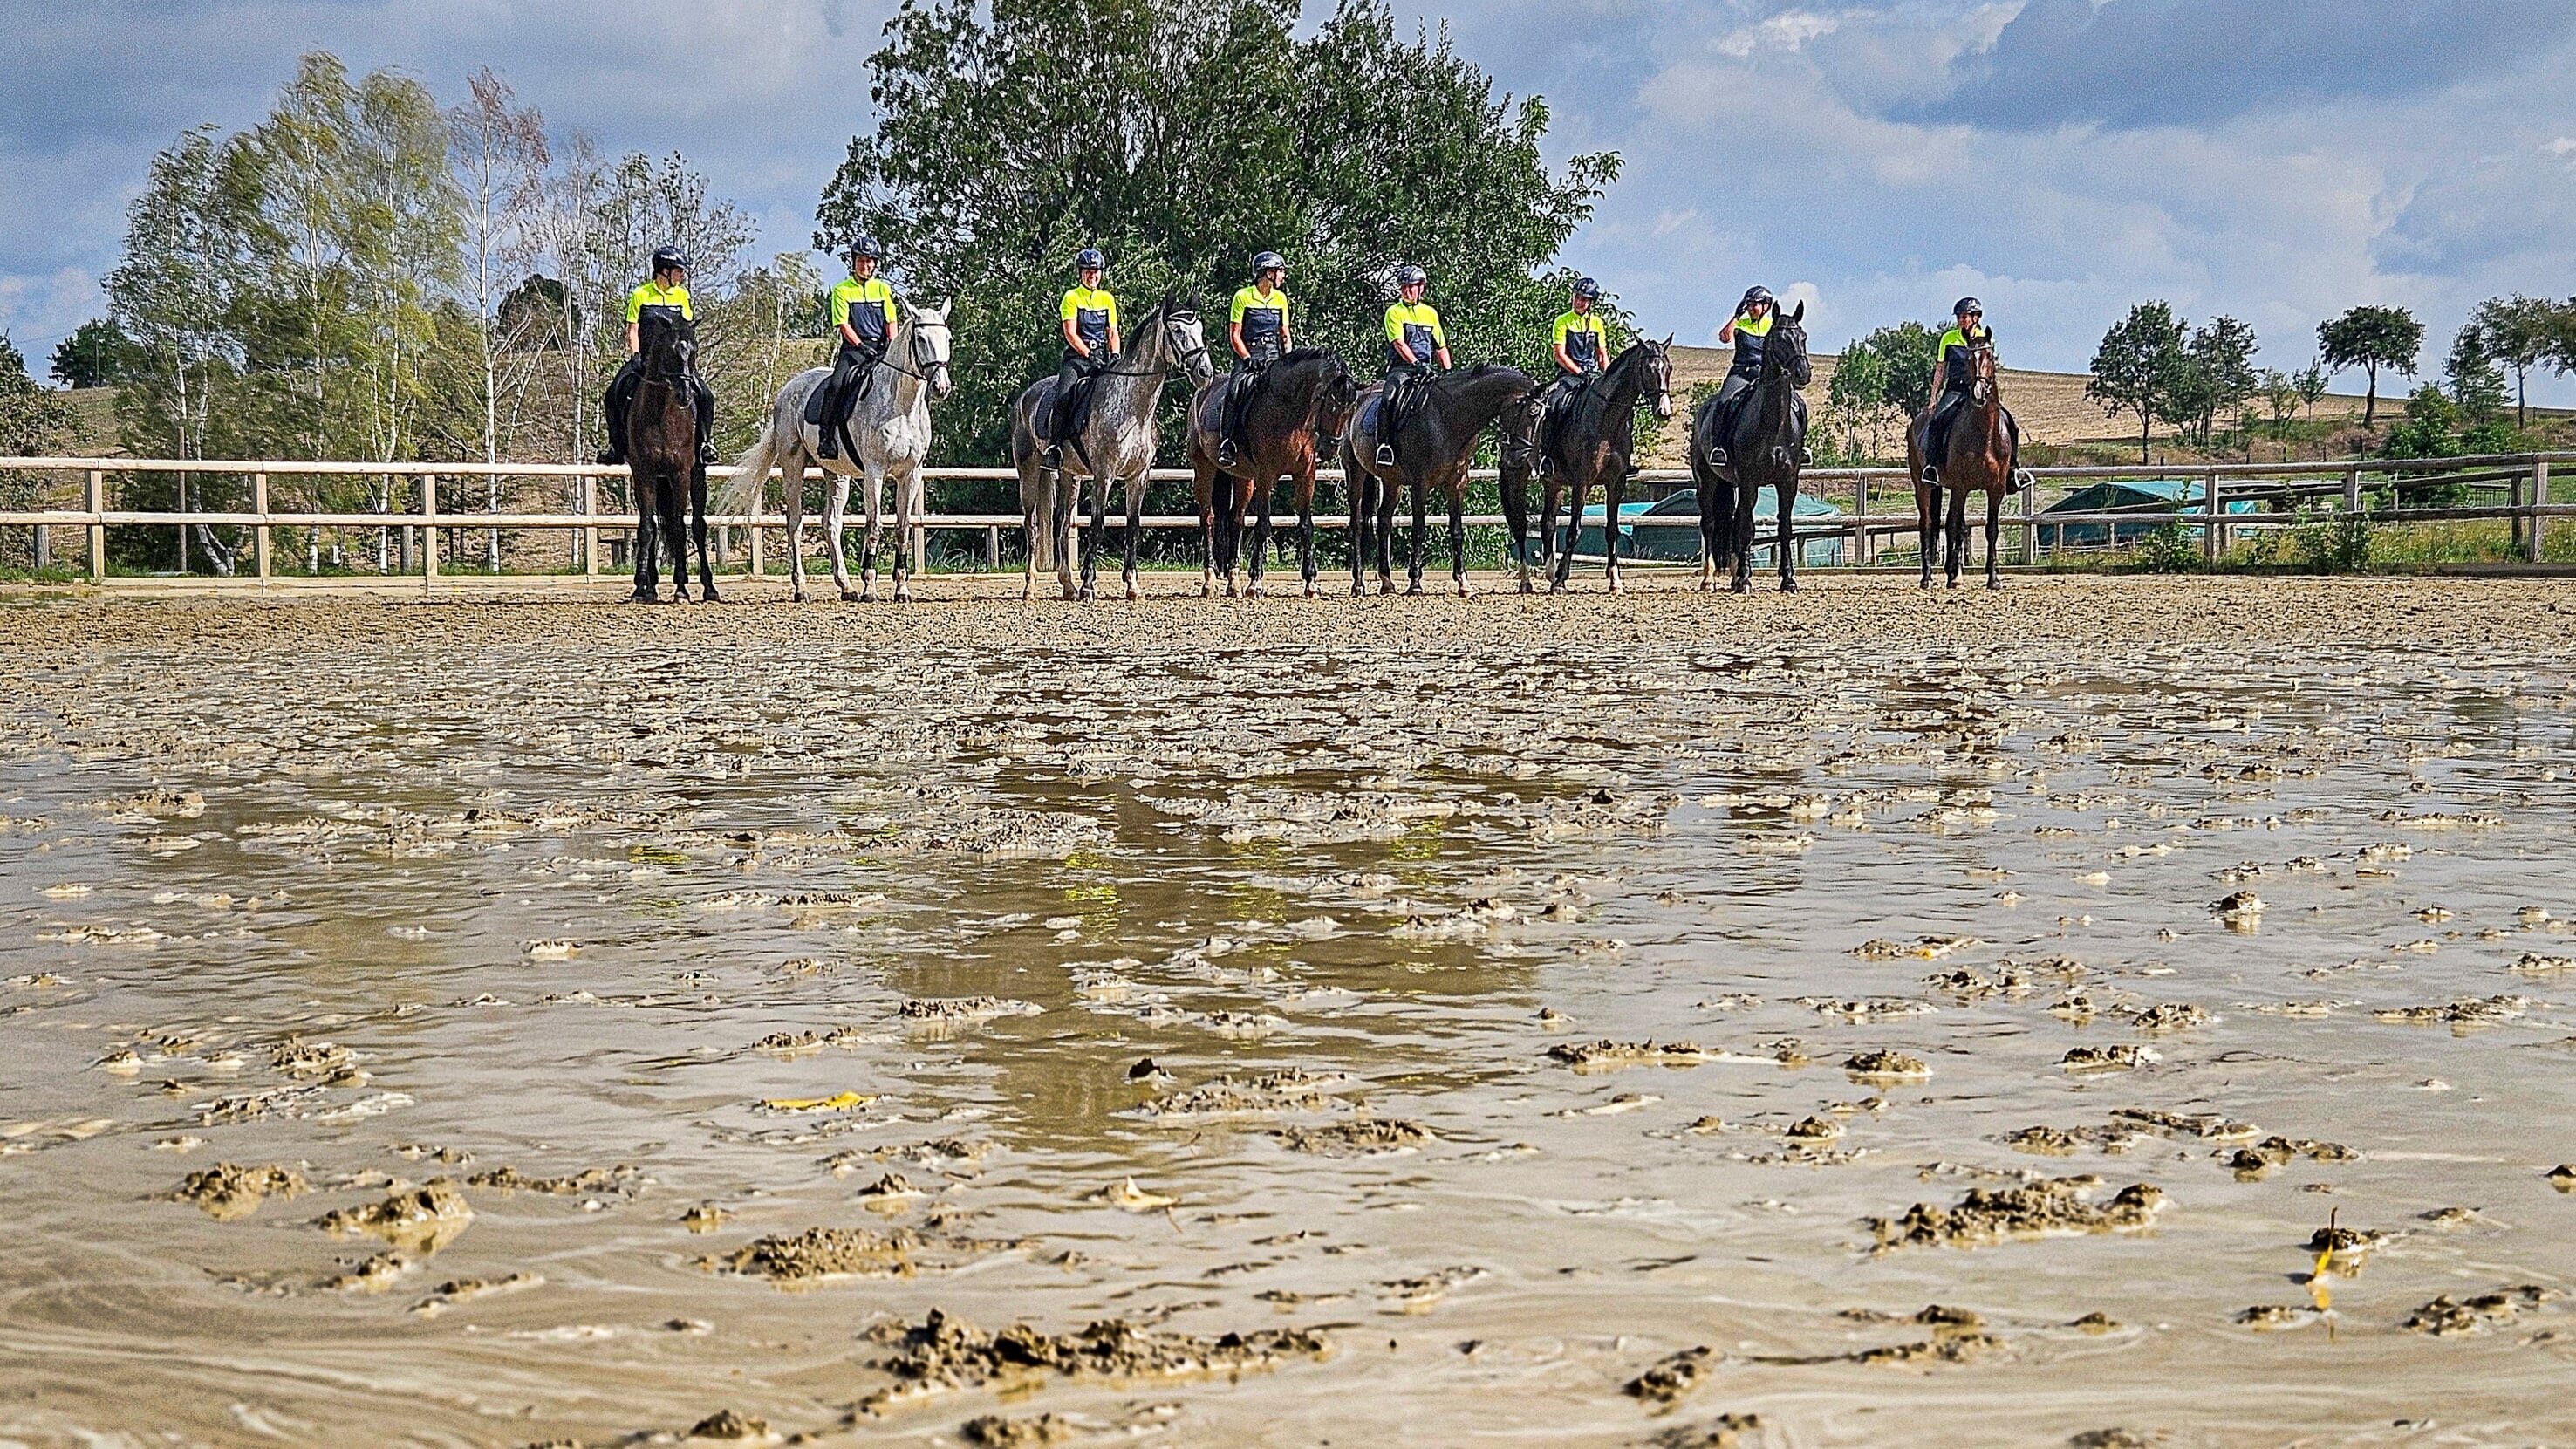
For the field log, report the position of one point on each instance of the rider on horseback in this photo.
(1582, 347)
(1414, 341)
(1258, 329)
(666, 295)
(863, 315)
(1749, 330)
(1969, 331)
(1088, 318)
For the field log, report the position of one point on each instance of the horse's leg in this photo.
(1305, 485)
(1927, 524)
(1710, 549)
(1614, 489)
(1787, 493)
(1954, 555)
(836, 517)
(1357, 484)
(698, 527)
(1068, 532)
(1135, 529)
(1458, 536)
(1418, 490)
(1516, 518)
(1746, 492)
(674, 528)
(1036, 507)
(907, 492)
(1258, 500)
(1994, 526)
(648, 567)
(1203, 493)
(1563, 577)
(1095, 537)
(872, 483)
(1389, 494)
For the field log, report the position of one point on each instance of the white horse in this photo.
(891, 427)
(1117, 447)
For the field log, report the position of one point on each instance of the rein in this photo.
(1181, 359)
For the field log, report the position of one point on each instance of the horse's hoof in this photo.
(1741, 586)
(1413, 590)
(1465, 589)
(641, 597)
(1617, 587)
(1558, 588)
(1995, 584)
(853, 596)
(1386, 591)
(1312, 592)
(709, 596)
(1252, 590)
(1788, 586)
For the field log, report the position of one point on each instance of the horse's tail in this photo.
(751, 472)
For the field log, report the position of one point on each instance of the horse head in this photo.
(1337, 401)
(1981, 372)
(669, 345)
(1786, 349)
(931, 347)
(1185, 339)
(1658, 383)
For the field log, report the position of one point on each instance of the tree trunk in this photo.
(2370, 399)
(2146, 433)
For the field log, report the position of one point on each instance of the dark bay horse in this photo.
(1303, 407)
(1592, 440)
(1517, 464)
(1766, 446)
(1437, 445)
(1977, 456)
(662, 458)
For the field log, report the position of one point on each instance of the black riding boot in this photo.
(703, 402)
(1058, 422)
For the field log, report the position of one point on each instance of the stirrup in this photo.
(1386, 455)
(1053, 457)
(2024, 478)
(1717, 456)
(1225, 453)
(1806, 457)
(706, 453)
(611, 458)
(1931, 475)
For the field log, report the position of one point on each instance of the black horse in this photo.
(662, 458)
(1766, 445)
(1591, 440)
(1439, 437)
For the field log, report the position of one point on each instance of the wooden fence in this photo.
(1874, 523)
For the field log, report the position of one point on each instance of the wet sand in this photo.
(2109, 1012)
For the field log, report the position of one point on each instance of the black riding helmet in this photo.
(866, 246)
(1968, 307)
(1587, 289)
(1753, 295)
(1090, 259)
(1269, 262)
(1410, 275)
(667, 258)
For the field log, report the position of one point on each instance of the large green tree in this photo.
(2371, 338)
(2143, 367)
(1181, 136)
(2519, 333)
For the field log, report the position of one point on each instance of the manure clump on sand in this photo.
(1726, 1431)
(227, 1191)
(1884, 1066)
(1606, 1055)
(1365, 1137)
(992, 1431)
(819, 1255)
(945, 1354)
(2445, 1316)
(1674, 1376)
(2050, 1207)
(427, 1217)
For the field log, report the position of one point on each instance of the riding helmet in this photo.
(1753, 295)
(1410, 275)
(1090, 259)
(665, 258)
(1967, 305)
(1269, 262)
(866, 246)
(1587, 289)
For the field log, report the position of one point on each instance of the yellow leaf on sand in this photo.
(843, 1102)
(1126, 1194)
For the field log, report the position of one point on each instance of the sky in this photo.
(2060, 159)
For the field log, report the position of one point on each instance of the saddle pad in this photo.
(814, 404)
(1366, 422)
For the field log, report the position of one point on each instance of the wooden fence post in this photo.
(1861, 552)
(94, 497)
(2352, 490)
(993, 548)
(259, 538)
(2539, 500)
(590, 534)
(2214, 544)
(2030, 524)
(759, 560)
(428, 529)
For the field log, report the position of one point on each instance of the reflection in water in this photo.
(2068, 992)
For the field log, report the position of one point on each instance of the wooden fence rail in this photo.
(1866, 528)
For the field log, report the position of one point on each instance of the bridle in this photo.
(937, 366)
(1185, 357)
(1981, 385)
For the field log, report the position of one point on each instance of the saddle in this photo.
(840, 395)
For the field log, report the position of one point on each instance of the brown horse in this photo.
(1304, 404)
(1977, 456)
(662, 454)
(1437, 444)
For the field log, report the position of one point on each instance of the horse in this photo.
(1302, 408)
(891, 427)
(662, 454)
(1766, 445)
(1440, 433)
(1977, 455)
(1116, 445)
(1593, 440)
(1516, 463)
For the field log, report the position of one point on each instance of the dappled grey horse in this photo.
(1116, 445)
(891, 428)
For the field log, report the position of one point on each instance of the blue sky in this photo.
(2060, 158)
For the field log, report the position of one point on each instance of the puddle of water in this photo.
(1217, 996)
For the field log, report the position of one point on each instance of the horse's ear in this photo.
(1799, 312)
(1668, 338)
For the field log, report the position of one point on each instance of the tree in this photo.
(1913, 353)
(33, 420)
(2280, 393)
(2371, 338)
(2477, 385)
(1181, 136)
(499, 152)
(2517, 332)
(2142, 368)
(94, 355)
(1858, 397)
(2220, 374)
(2311, 381)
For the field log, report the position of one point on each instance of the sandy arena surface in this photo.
(2111, 1012)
